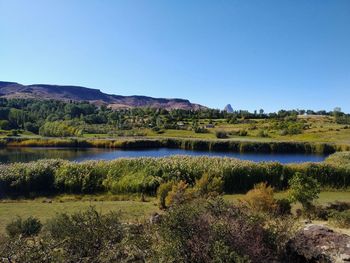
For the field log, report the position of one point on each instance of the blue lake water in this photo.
(10, 155)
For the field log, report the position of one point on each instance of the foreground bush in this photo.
(28, 227)
(175, 193)
(260, 199)
(162, 193)
(200, 230)
(87, 236)
(340, 219)
(214, 231)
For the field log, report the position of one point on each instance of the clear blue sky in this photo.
(254, 54)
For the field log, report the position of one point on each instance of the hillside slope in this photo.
(77, 93)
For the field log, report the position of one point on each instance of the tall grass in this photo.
(144, 175)
(190, 144)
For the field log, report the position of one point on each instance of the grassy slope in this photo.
(130, 210)
(322, 129)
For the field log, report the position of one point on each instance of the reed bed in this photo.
(144, 175)
(189, 144)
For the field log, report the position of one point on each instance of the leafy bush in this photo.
(59, 129)
(201, 130)
(303, 189)
(178, 194)
(200, 231)
(283, 207)
(5, 125)
(221, 134)
(28, 227)
(208, 186)
(260, 199)
(243, 133)
(162, 193)
(32, 127)
(87, 236)
(338, 206)
(340, 219)
(263, 133)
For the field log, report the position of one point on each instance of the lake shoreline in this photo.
(219, 145)
(29, 154)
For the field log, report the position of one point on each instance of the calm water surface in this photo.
(10, 155)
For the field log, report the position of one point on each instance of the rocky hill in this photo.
(77, 93)
(228, 108)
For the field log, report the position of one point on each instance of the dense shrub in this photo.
(243, 133)
(221, 134)
(5, 125)
(28, 227)
(283, 207)
(208, 186)
(85, 233)
(200, 231)
(303, 189)
(201, 130)
(86, 236)
(59, 129)
(338, 206)
(32, 127)
(263, 133)
(162, 193)
(260, 199)
(178, 194)
(340, 219)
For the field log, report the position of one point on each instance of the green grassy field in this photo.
(320, 129)
(130, 211)
(324, 197)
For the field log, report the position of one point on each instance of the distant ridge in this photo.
(95, 96)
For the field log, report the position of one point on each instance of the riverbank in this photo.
(179, 143)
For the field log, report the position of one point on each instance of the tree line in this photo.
(38, 115)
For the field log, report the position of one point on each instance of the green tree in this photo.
(303, 189)
(4, 125)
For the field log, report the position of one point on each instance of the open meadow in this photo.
(132, 210)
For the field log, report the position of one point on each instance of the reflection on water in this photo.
(27, 154)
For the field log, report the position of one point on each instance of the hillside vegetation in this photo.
(35, 119)
(14, 90)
